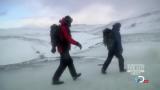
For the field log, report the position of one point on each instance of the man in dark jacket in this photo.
(63, 48)
(116, 50)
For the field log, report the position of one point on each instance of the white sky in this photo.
(42, 13)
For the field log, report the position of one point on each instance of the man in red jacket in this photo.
(63, 48)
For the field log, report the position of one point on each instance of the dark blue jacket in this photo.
(117, 37)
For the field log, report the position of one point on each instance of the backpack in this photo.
(108, 38)
(55, 35)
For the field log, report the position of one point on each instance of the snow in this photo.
(38, 76)
(26, 62)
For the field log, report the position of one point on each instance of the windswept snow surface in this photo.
(19, 45)
(26, 62)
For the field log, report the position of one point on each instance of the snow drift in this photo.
(26, 62)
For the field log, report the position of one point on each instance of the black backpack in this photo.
(108, 38)
(55, 35)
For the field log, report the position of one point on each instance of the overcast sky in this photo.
(42, 13)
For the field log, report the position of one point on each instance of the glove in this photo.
(53, 50)
(79, 45)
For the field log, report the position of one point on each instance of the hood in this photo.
(62, 21)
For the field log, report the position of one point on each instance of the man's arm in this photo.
(68, 37)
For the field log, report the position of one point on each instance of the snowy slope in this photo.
(26, 62)
(37, 76)
(23, 45)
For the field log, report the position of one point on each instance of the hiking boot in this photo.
(57, 82)
(123, 70)
(103, 71)
(78, 75)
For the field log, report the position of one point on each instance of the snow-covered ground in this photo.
(26, 62)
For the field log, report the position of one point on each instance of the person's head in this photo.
(117, 26)
(68, 20)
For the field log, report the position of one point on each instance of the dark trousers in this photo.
(109, 59)
(65, 60)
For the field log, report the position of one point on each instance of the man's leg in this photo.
(72, 69)
(121, 62)
(108, 61)
(60, 70)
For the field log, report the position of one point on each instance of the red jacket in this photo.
(66, 38)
